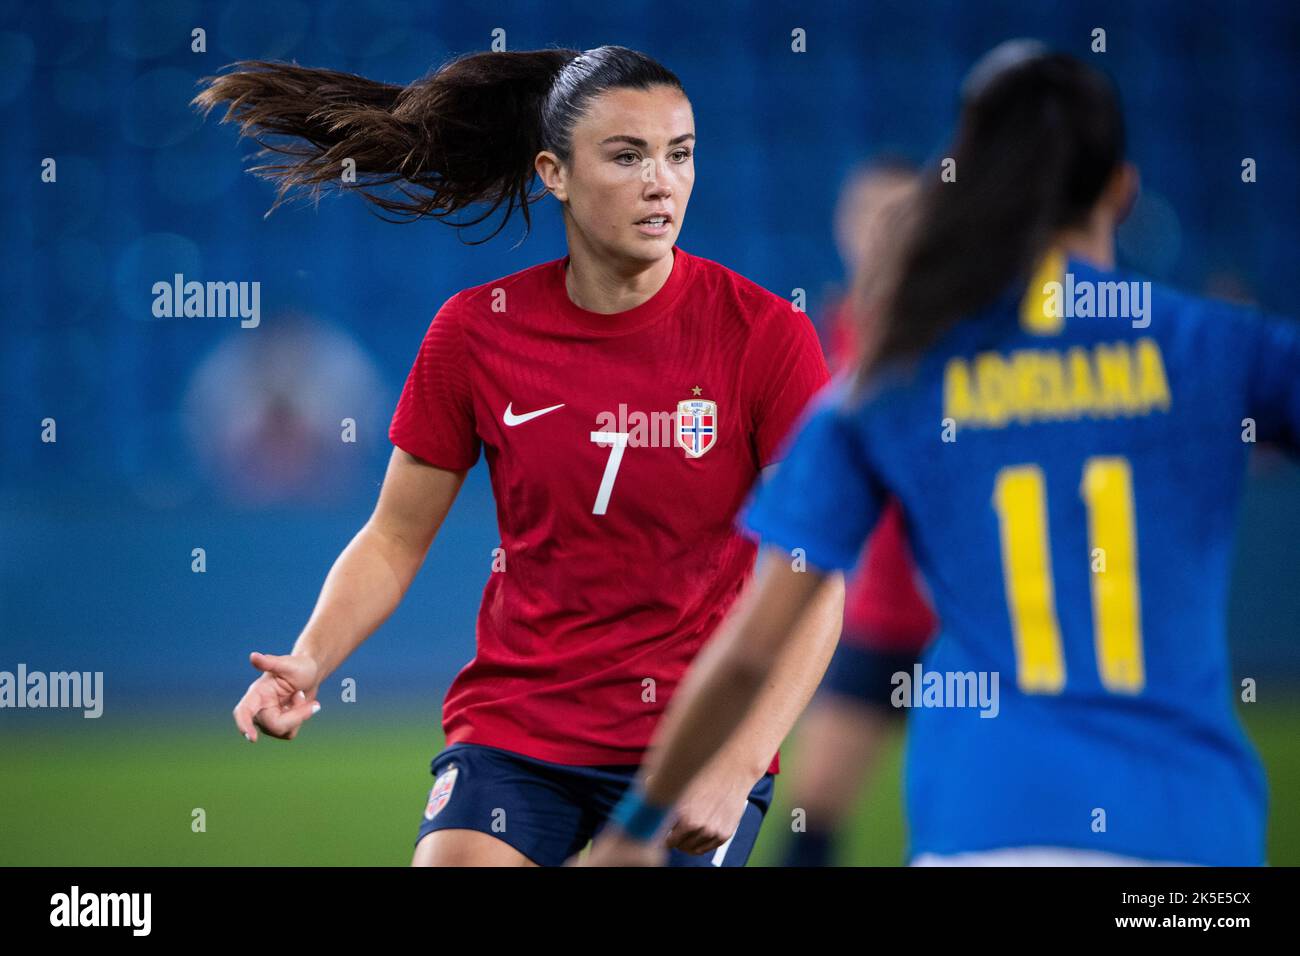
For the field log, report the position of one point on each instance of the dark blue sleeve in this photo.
(1273, 384)
(822, 498)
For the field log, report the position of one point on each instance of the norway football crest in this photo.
(441, 792)
(697, 425)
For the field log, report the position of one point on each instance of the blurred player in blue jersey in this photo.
(1069, 445)
(887, 622)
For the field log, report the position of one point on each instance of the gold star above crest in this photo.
(696, 390)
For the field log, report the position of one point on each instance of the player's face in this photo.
(630, 172)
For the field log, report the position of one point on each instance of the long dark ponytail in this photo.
(1040, 136)
(464, 135)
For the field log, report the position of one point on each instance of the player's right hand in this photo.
(281, 700)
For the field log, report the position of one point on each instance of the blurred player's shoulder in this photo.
(1225, 343)
(1172, 311)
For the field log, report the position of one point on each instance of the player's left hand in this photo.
(613, 847)
(710, 811)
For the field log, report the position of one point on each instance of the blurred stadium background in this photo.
(175, 434)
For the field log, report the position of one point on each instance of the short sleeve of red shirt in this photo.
(784, 368)
(434, 420)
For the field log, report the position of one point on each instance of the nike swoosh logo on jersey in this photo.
(511, 419)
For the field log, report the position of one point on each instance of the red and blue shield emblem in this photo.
(441, 792)
(697, 426)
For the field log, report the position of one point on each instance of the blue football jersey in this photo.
(1070, 463)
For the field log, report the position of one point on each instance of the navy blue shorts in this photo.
(866, 675)
(549, 811)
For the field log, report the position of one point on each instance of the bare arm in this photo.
(365, 585)
(709, 811)
(786, 690)
(372, 574)
(730, 675)
(793, 680)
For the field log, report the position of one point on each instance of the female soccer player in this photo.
(1070, 478)
(626, 398)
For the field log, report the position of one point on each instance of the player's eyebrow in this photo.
(638, 142)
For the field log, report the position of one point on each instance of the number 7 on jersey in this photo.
(617, 442)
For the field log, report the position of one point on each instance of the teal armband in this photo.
(636, 816)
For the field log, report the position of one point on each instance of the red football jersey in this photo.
(620, 448)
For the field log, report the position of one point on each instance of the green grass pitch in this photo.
(351, 790)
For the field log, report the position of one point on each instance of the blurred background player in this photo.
(887, 620)
(1076, 534)
(618, 553)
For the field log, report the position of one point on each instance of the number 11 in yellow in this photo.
(1020, 499)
